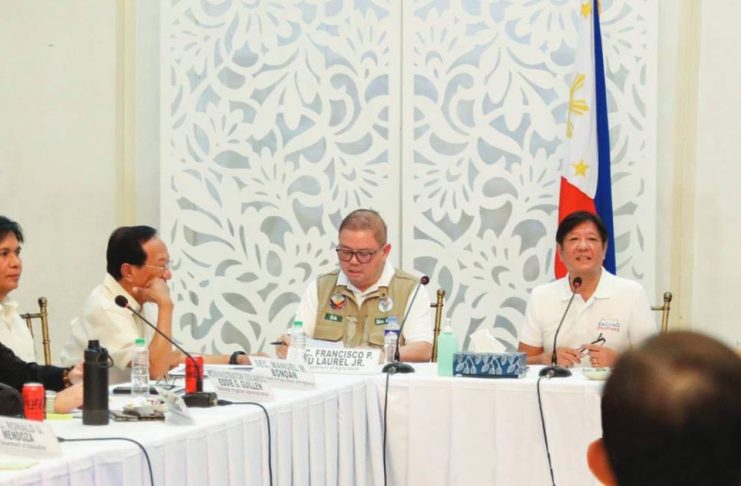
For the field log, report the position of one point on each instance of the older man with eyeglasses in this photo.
(138, 268)
(352, 304)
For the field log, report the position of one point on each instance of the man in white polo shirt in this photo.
(137, 268)
(605, 306)
(14, 332)
(352, 304)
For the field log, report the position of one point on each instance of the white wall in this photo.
(717, 228)
(62, 135)
(58, 145)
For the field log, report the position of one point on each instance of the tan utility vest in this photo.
(339, 318)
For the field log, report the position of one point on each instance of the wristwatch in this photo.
(235, 356)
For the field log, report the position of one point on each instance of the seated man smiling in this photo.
(605, 305)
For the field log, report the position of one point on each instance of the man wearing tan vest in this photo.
(353, 303)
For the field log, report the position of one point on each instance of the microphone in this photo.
(555, 371)
(197, 399)
(397, 366)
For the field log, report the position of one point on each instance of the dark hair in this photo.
(9, 226)
(125, 246)
(671, 413)
(575, 219)
(366, 219)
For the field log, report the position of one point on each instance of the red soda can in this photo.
(33, 401)
(191, 373)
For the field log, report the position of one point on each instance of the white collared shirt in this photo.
(618, 309)
(14, 332)
(116, 328)
(418, 326)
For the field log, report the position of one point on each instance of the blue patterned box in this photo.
(490, 365)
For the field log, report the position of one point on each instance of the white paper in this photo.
(179, 370)
(346, 360)
(27, 438)
(321, 343)
(283, 373)
(240, 385)
(482, 341)
(177, 412)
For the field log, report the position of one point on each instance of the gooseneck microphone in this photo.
(397, 366)
(197, 399)
(555, 371)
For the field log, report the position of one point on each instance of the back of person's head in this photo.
(576, 218)
(366, 220)
(8, 226)
(125, 246)
(671, 413)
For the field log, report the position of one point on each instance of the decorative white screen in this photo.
(279, 117)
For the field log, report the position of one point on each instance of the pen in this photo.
(277, 343)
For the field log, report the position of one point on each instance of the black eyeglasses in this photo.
(362, 256)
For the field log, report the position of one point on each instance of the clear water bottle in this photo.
(390, 338)
(298, 343)
(140, 370)
(447, 346)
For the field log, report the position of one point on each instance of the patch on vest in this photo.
(385, 303)
(337, 301)
(381, 321)
(332, 317)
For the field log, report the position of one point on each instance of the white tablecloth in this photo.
(326, 436)
(471, 431)
(442, 431)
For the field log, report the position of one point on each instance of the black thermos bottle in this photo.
(95, 384)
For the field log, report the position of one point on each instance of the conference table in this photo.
(470, 431)
(328, 435)
(441, 431)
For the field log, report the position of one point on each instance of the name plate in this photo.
(347, 360)
(282, 373)
(240, 385)
(26, 438)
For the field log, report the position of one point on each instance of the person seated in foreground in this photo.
(15, 372)
(352, 304)
(14, 332)
(138, 268)
(671, 415)
(604, 306)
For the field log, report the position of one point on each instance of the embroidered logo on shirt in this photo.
(608, 325)
(332, 317)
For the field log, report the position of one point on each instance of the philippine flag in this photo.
(585, 181)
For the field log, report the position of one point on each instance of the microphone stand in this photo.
(555, 371)
(397, 366)
(197, 399)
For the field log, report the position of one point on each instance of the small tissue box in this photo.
(490, 365)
